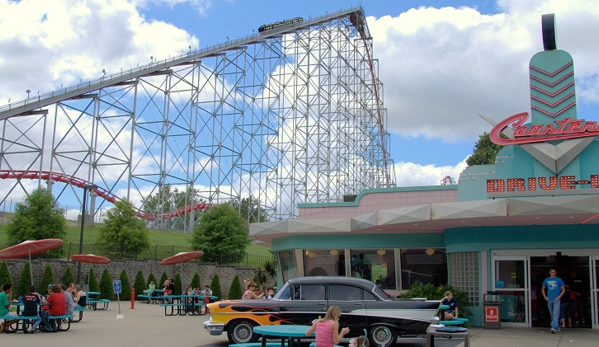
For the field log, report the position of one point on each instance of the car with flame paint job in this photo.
(301, 300)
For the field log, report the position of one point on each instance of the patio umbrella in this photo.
(29, 248)
(91, 259)
(181, 258)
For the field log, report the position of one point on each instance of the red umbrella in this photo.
(181, 257)
(91, 259)
(29, 248)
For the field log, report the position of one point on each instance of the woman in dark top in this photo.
(450, 301)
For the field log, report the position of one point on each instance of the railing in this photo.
(155, 252)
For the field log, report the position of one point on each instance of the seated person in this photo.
(70, 302)
(80, 296)
(31, 301)
(54, 305)
(206, 291)
(151, 288)
(450, 301)
(5, 302)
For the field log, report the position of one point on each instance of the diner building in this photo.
(501, 228)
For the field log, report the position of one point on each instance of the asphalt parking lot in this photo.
(146, 325)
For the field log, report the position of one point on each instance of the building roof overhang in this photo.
(435, 218)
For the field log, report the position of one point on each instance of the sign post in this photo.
(117, 288)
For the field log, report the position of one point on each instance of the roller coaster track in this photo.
(99, 191)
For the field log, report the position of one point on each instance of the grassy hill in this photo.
(157, 237)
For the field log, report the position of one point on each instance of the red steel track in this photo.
(99, 191)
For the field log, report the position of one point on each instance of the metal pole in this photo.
(81, 235)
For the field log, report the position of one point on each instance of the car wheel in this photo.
(241, 331)
(382, 336)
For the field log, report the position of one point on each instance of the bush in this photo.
(24, 282)
(125, 287)
(4, 274)
(195, 281)
(235, 291)
(437, 293)
(92, 280)
(68, 277)
(178, 285)
(47, 279)
(139, 283)
(106, 291)
(215, 286)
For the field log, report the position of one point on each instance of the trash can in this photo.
(491, 304)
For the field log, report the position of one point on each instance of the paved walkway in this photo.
(146, 326)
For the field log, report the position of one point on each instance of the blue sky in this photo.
(442, 62)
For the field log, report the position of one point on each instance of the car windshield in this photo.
(284, 293)
(381, 293)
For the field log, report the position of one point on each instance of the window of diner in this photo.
(287, 265)
(423, 265)
(376, 265)
(324, 262)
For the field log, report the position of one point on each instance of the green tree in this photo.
(47, 279)
(93, 281)
(235, 291)
(24, 281)
(221, 234)
(123, 231)
(215, 286)
(484, 152)
(152, 278)
(139, 284)
(178, 285)
(125, 286)
(38, 217)
(68, 277)
(106, 291)
(195, 281)
(166, 199)
(4, 274)
(249, 209)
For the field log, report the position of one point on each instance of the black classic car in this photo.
(301, 300)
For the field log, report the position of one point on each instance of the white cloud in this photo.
(442, 67)
(410, 174)
(46, 44)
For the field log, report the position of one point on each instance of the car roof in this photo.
(332, 280)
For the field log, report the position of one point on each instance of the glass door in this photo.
(510, 279)
(595, 291)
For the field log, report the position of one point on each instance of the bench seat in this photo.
(257, 344)
(93, 304)
(14, 328)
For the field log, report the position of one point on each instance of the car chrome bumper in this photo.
(214, 329)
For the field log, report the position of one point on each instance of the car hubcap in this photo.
(243, 333)
(381, 336)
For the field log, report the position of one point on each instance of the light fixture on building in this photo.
(429, 251)
(311, 254)
(307, 252)
(381, 252)
(334, 252)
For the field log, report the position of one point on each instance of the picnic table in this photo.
(184, 304)
(292, 334)
(93, 301)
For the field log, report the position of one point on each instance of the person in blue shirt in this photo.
(553, 289)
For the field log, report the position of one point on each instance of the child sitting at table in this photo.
(327, 328)
(360, 341)
(31, 301)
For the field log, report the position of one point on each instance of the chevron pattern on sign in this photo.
(552, 92)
